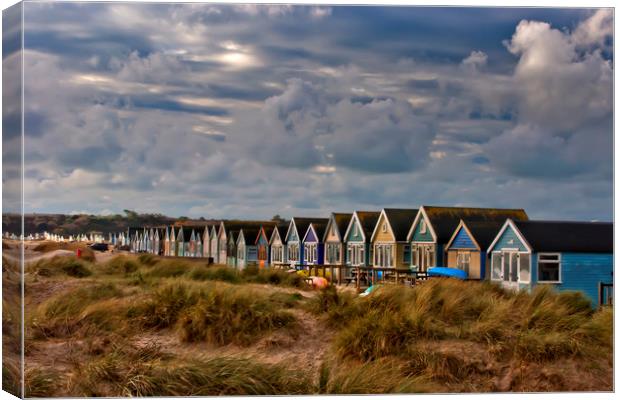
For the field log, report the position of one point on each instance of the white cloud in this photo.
(596, 29)
(163, 112)
(476, 60)
(320, 12)
(564, 98)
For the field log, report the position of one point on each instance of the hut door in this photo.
(510, 269)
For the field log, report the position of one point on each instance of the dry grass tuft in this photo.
(60, 265)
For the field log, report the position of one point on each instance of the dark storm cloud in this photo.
(240, 92)
(11, 32)
(198, 108)
(171, 105)
(95, 158)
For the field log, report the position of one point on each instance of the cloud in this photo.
(155, 67)
(596, 30)
(309, 126)
(549, 71)
(320, 12)
(221, 111)
(474, 61)
(564, 100)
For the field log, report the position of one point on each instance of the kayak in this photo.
(367, 291)
(447, 272)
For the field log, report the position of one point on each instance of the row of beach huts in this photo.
(501, 245)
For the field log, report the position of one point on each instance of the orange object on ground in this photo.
(319, 282)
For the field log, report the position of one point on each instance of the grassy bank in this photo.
(144, 325)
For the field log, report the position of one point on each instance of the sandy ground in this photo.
(30, 255)
(309, 345)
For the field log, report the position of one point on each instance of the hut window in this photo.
(415, 251)
(333, 253)
(293, 251)
(549, 268)
(496, 266)
(407, 253)
(462, 261)
(276, 254)
(383, 255)
(355, 230)
(356, 254)
(310, 252)
(524, 267)
(422, 226)
(384, 227)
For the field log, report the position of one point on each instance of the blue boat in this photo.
(447, 272)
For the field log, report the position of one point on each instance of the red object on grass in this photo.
(78, 253)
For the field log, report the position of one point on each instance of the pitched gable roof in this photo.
(368, 220)
(250, 234)
(481, 232)
(187, 234)
(319, 225)
(302, 224)
(400, 219)
(444, 220)
(280, 231)
(268, 229)
(341, 220)
(199, 230)
(568, 236)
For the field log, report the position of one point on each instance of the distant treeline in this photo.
(82, 223)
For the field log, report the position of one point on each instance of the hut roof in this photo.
(568, 236)
(319, 227)
(484, 232)
(444, 220)
(368, 221)
(342, 221)
(250, 234)
(400, 220)
(302, 224)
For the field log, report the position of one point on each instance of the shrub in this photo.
(377, 377)
(541, 326)
(250, 274)
(120, 265)
(40, 382)
(536, 345)
(11, 375)
(434, 366)
(148, 259)
(253, 274)
(61, 314)
(60, 265)
(163, 307)
(284, 299)
(168, 268)
(146, 371)
(226, 315)
(379, 333)
(337, 307)
(224, 274)
(598, 330)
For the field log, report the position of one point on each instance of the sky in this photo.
(247, 111)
